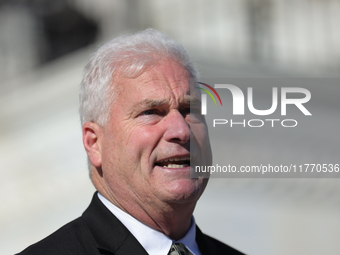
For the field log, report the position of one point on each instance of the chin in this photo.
(186, 190)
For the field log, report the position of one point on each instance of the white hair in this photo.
(130, 55)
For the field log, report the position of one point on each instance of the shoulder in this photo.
(209, 245)
(73, 238)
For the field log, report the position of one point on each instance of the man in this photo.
(141, 128)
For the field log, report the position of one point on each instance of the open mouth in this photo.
(175, 162)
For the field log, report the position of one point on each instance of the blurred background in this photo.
(44, 45)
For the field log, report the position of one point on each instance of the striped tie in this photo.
(179, 249)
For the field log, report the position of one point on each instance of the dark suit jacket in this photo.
(98, 231)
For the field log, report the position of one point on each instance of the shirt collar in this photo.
(153, 241)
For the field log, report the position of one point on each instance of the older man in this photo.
(141, 128)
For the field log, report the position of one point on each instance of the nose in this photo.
(177, 128)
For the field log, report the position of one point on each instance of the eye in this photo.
(186, 111)
(150, 112)
(193, 115)
(192, 110)
(150, 117)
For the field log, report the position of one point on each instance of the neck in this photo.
(174, 222)
(171, 218)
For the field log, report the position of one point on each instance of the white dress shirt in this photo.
(153, 241)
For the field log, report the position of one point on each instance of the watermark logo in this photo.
(240, 100)
(204, 97)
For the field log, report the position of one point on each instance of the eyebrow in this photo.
(151, 102)
(193, 101)
(188, 100)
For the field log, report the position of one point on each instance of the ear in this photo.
(92, 137)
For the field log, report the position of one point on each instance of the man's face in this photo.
(145, 149)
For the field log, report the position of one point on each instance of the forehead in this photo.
(164, 80)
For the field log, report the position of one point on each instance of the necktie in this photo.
(179, 249)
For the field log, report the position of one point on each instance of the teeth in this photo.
(176, 166)
(171, 162)
(176, 159)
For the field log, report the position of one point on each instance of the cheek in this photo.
(200, 133)
(141, 143)
(200, 145)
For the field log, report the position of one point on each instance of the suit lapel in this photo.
(202, 242)
(209, 245)
(109, 234)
